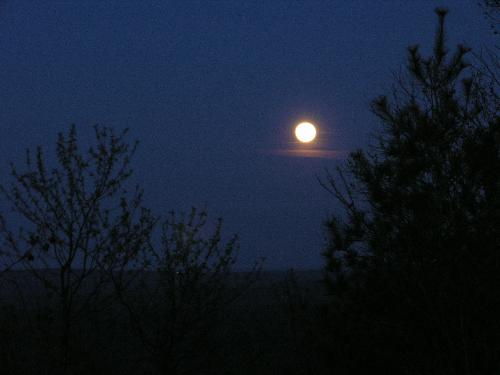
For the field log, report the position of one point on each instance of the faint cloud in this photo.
(308, 153)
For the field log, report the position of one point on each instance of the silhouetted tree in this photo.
(79, 225)
(491, 11)
(176, 300)
(413, 264)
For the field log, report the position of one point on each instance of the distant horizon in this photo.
(235, 269)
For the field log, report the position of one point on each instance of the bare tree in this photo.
(79, 224)
(176, 301)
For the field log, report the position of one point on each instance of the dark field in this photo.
(255, 334)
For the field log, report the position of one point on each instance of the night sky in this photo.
(212, 89)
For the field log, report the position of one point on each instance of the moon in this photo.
(305, 132)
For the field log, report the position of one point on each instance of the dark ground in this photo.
(258, 333)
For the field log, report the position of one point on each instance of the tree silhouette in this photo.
(491, 11)
(413, 264)
(175, 301)
(79, 225)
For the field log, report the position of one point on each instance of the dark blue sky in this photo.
(212, 89)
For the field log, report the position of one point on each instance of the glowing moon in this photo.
(305, 132)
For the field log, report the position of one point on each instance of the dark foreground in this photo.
(262, 332)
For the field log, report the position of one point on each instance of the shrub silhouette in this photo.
(175, 301)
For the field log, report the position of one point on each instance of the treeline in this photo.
(94, 282)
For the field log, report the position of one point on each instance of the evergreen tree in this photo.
(413, 264)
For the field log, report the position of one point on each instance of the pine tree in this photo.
(413, 264)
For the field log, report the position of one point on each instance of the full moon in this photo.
(305, 132)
